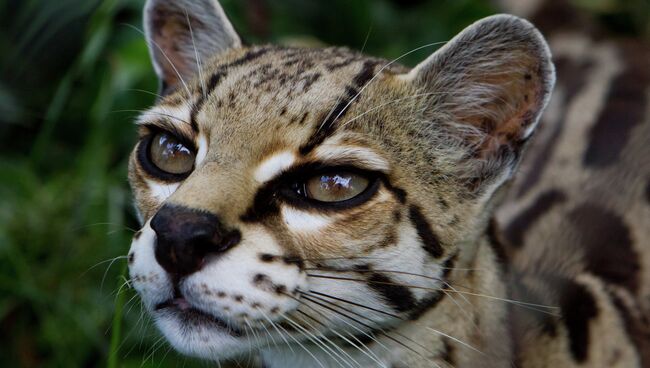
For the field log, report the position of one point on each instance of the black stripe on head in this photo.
(327, 127)
(397, 296)
(217, 77)
(429, 239)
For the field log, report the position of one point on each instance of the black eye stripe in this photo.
(279, 190)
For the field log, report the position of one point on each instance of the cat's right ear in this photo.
(184, 34)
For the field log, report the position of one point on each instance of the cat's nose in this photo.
(185, 237)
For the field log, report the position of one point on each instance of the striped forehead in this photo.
(272, 100)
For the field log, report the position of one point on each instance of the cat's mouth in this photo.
(181, 309)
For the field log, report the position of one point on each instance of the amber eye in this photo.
(168, 154)
(335, 187)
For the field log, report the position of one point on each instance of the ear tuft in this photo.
(184, 34)
(490, 85)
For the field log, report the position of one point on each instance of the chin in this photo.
(195, 333)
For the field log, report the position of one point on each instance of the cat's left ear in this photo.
(489, 86)
(183, 34)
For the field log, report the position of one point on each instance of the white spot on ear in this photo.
(301, 221)
(202, 144)
(274, 165)
(161, 191)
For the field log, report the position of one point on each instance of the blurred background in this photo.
(73, 75)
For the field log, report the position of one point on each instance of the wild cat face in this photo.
(285, 191)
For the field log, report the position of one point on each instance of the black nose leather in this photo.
(185, 237)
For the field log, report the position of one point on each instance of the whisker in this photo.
(338, 315)
(374, 358)
(364, 324)
(515, 302)
(362, 316)
(145, 112)
(321, 335)
(180, 77)
(307, 334)
(196, 54)
(273, 324)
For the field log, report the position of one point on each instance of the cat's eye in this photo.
(170, 155)
(335, 187)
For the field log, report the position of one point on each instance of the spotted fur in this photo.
(406, 274)
(575, 224)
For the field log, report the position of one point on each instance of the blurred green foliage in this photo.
(73, 74)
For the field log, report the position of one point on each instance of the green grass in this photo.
(71, 74)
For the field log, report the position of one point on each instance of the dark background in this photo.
(73, 75)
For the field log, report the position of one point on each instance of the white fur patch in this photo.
(179, 115)
(359, 156)
(202, 144)
(148, 278)
(301, 221)
(161, 191)
(274, 165)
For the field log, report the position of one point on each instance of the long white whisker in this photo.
(180, 77)
(324, 347)
(196, 55)
(304, 347)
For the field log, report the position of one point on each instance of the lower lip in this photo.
(189, 315)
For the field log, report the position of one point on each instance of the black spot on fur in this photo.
(131, 258)
(447, 353)
(578, 309)
(280, 289)
(303, 118)
(607, 244)
(516, 230)
(429, 239)
(137, 234)
(294, 260)
(625, 108)
(397, 296)
(260, 278)
(265, 257)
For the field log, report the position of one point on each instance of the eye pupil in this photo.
(170, 155)
(335, 187)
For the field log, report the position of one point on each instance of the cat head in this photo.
(283, 188)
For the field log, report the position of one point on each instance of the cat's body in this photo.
(323, 208)
(576, 221)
